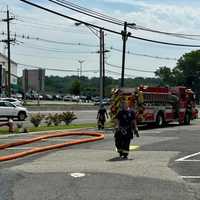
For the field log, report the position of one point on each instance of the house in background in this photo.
(4, 70)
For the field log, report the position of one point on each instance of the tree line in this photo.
(186, 72)
(90, 86)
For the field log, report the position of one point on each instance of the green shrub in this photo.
(49, 119)
(56, 119)
(68, 117)
(36, 119)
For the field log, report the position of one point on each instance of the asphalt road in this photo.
(166, 166)
(83, 116)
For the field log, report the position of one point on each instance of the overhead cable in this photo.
(97, 15)
(53, 69)
(130, 68)
(144, 55)
(87, 45)
(64, 4)
(106, 29)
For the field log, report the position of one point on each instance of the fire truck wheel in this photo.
(160, 120)
(187, 119)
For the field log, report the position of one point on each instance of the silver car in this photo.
(10, 110)
(13, 101)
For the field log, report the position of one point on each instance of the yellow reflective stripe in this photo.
(133, 147)
(122, 150)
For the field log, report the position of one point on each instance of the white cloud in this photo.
(158, 16)
(176, 17)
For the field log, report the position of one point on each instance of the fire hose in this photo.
(95, 137)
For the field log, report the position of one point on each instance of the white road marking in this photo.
(190, 177)
(77, 175)
(184, 159)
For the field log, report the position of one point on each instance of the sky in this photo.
(177, 16)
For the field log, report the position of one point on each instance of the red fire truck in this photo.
(160, 105)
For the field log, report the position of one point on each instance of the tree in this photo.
(75, 88)
(166, 76)
(187, 70)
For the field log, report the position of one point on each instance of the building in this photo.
(33, 80)
(4, 75)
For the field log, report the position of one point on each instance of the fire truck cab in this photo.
(160, 105)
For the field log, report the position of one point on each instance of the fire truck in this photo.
(159, 105)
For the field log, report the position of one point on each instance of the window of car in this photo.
(6, 104)
(10, 100)
(2, 104)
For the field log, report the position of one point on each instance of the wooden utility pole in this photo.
(8, 41)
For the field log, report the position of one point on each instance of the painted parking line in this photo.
(185, 158)
(190, 177)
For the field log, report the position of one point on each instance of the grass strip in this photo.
(51, 128)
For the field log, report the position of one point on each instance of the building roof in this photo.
(5, 57)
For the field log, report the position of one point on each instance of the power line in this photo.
(130, 68)
(23, 36)
(106, 29)
(87, 12)
(53, 69)
(183, 35)
(144, 55)
(118, 73)
(87, 45)
(39, 56)
(107, 18)
(47, 49)
(48, 27)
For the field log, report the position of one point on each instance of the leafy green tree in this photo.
(188, 69)
(166, 76)
(75, 88)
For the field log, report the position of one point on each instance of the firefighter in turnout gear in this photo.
(101, 117)
(126, 129)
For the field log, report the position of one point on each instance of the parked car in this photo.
(75, 98)
(8, 110)
(12, 100)
(17, 96)
(57, 97)
(67, 98)
(95, 99)
(47, 97)
(105, 102)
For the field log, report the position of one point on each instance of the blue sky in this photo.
(180, 16)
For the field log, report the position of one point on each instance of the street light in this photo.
(101, 59)
(81, 62)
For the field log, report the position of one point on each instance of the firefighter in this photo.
(126, 125)
(101, 117)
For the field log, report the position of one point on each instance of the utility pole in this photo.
(101, 64)
(125, 36)
(103, 48)
(102, 52)
(8, 41)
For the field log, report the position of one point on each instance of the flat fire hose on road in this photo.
(96, 136)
